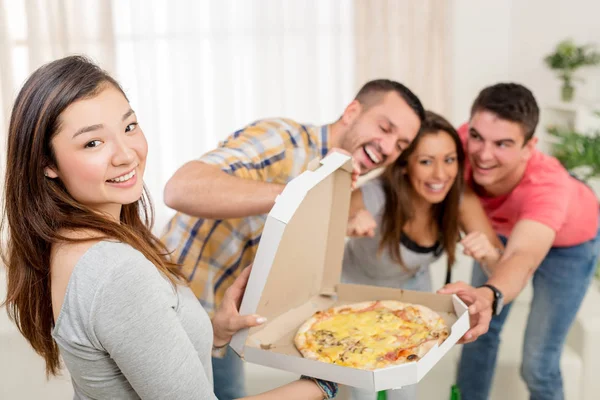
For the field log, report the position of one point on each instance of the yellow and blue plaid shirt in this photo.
(212, 253)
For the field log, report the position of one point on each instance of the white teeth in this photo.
(484, 167)
(436, 186)
(123, 178)
(372, 155)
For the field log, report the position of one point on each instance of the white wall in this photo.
(480, 50)
(507, 40)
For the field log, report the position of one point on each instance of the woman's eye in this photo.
(93, 143)
(425, 162)
(131, 127)
(450, 160)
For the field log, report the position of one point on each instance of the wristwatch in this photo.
(498, 299)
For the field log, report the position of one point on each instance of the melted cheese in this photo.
(365, 338)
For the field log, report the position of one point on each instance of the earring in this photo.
(46, 174)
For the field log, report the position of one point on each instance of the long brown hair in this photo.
(38, 209)
(398, 190)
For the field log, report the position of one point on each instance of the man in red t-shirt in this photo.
(549, 222)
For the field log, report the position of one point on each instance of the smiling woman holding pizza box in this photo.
(404, 220)
(88, 283)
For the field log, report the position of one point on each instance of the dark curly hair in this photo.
(512, 102)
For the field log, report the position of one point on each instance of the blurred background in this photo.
(196, 70)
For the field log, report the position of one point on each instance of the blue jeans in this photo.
(559, 285)
(228, 376)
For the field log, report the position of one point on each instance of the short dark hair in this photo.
(372, 91)
(512, 102)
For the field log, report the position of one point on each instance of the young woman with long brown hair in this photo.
(87, 280)
(405, 219)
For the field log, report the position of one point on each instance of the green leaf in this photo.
(568, 56)
(579, 153)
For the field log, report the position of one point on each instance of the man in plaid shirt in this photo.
(222, 198)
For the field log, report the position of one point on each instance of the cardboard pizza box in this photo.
(297, 272)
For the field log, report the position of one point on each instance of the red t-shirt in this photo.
(546, 194)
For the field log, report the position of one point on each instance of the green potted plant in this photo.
(580, 155)
(566, 59)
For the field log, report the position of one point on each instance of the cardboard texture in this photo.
(297, 272)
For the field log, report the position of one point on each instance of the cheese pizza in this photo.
(371, 335)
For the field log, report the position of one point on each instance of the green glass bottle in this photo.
(381, 395)
(455, 393)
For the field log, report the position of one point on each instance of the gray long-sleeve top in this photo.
(125, 332)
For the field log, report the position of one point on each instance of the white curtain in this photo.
(197, 70)
(408, 41)
(33, 32)
(194, 71)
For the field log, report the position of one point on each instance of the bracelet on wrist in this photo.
(219, 351)
(220, 347)
(329, 389)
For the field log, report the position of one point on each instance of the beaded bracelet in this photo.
(329, 389)
(219, 351)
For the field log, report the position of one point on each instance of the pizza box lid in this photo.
(302, 245)
(297, 271)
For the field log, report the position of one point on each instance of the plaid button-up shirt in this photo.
(211, 252)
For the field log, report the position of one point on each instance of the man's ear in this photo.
(50, 172)
(351, 112)
(529, 148)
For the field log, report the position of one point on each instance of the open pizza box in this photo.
(297, 272)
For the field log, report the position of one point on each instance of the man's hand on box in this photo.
(480, 308)
(355, 166)
(361, 225)
(227, 319)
